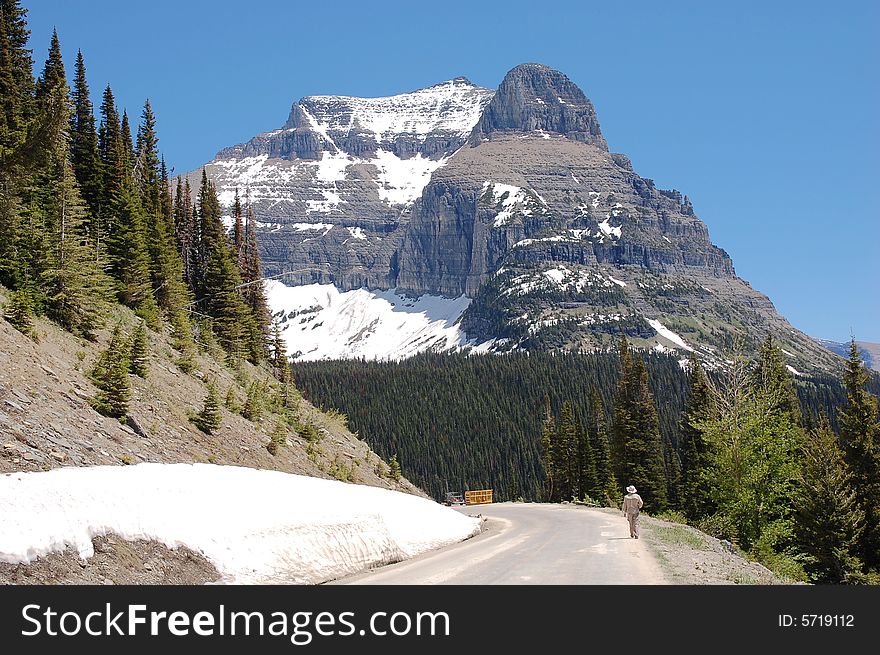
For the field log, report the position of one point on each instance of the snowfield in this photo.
(255, 526)
(325, 323)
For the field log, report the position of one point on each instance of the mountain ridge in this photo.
(555, 239)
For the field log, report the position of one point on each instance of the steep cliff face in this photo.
(536, 98)
(509, 201)
(333, 188)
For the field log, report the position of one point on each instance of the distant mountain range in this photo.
(870, 351)
(460, 217)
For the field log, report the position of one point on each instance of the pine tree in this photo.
(217, 285)
(860, 435)
(238, 246)
(210, 418)
(587, 479)
(606, 489)
(278, 438)
(166, 266)
(255, 290)
(84, 150)
(138, 351)
(695, 458)
(253, 404)
(110, 375)
(621, 426)
(16, 79)
(644, 450)
(548, 437)
(637, 446)
(231, 401)
(829, 519)
(394, 471)
(20, 311)
(771, 375)
(73, 287)
(564, 460)
(181, 330)
(123, 218)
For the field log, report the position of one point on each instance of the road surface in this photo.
(531, 543)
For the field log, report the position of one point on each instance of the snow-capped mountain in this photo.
(504, 213)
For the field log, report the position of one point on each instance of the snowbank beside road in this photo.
(255, 526)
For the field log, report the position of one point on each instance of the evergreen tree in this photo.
(548, 438)
(253, 405)
(606, 489)
(278, 438)
(587, 479)
(181, 330)
(644, 450)
(860, 435)
(210, 418)
(829, 519)
(123, 218)
(238, 246)
(138, 351)
(110, 375)
(217, 285)
(564, 460)
(621, 427)
(637, 446)
(770, 373)
(255, 290)
(16, 79)
(695, 458)
(84, 150)
(166, 266)
(20, 311)
(73, 287)
(394, 471)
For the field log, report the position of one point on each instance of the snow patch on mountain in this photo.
(321, 322)
(401, 181)
(668, 334)
(453, 106)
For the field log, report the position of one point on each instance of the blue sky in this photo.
(766, 114)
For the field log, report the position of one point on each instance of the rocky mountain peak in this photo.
(535, 97)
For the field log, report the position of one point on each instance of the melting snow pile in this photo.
(313, 529)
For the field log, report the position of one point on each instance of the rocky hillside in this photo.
(46, 420)
(508, 203)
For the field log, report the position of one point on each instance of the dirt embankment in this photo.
(47, 422)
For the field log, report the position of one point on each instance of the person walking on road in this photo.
(632, 504)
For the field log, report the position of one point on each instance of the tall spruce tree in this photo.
(16, 79)
(637, 446)
(586, 462)
(829, 519)
(564, 451)
(166, 266)
(547, 441)
(84, 149)
(219, 282)
(860, 435)
(254, 289)
(606, 488)
(72, 285)
(695, 459)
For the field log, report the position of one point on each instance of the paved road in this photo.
(531, 543)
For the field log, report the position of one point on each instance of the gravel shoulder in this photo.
(688, 556)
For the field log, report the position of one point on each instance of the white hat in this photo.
(630, 489)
